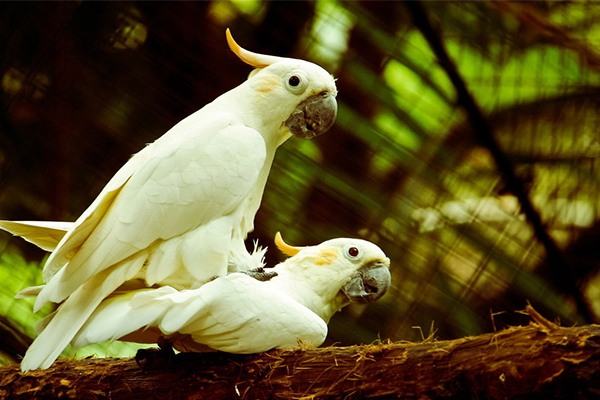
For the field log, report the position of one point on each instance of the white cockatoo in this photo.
(178, 210)
(243, 312)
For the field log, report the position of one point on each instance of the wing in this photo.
(236, 314)
(254, 317)
(179, 183)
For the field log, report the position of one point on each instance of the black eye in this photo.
(353, 252)
(294, 81)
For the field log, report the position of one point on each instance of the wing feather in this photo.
(235, 313)
(161, 193)
(74, 312)
(254, 317)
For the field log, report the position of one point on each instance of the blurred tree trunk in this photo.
(542, 360)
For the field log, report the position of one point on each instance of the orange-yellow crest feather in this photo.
(284, 247)
(253, 59)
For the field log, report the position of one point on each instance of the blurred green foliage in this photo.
(84, 85)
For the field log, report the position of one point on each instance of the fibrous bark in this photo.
(541, 360)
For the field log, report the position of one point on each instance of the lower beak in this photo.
(314, 116)
(368, 283)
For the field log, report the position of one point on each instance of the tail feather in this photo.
(75, 311)
(40, 326)
(44, 234)
(129, 314)
(29, 292)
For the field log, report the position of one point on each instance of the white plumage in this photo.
(237, 313)
(176, 211)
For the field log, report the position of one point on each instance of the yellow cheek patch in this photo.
(327, 256)
(267, 83)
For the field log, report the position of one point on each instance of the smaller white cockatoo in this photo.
(245, 312)
(179, 210)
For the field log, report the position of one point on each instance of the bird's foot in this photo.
(260, 274)
(153, 358)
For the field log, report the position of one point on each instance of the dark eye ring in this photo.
(294, 80)
(353, 252)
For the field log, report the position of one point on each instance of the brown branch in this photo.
(542, 360)
(484, 134)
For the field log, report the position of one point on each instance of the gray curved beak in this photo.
(368, 283)
(314, 116)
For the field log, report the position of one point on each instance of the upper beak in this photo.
(314, 116)
(368, 283)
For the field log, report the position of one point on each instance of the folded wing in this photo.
(235, 314)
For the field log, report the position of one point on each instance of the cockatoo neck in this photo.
(261, 104)
(310, 286)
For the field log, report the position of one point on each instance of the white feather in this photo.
(74, 312)
(237, 313)
(181, 208)
(44, 234)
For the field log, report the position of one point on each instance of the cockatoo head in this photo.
(304, 92)
(338, 272)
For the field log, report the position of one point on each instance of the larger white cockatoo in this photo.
(243, 312)
(176, 211)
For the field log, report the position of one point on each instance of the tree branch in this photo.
(542, 360)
